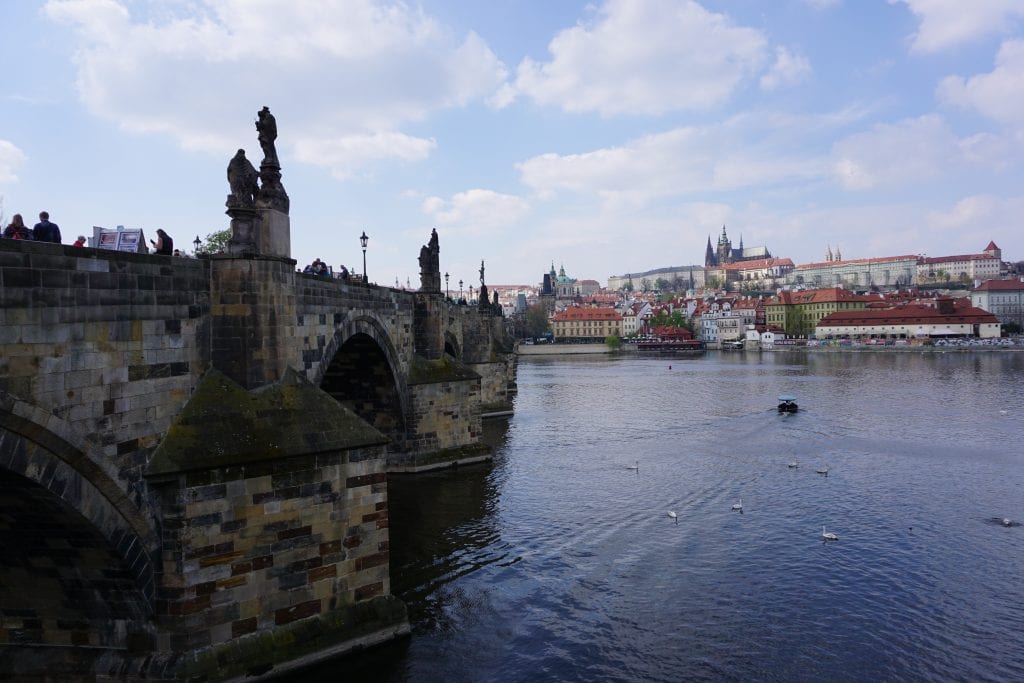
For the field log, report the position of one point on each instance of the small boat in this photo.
(787, 404)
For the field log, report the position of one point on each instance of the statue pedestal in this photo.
(273, 233)
(243, 229)
(259, 232)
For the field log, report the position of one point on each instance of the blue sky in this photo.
(612, 137)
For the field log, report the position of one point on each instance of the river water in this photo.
(559, 563)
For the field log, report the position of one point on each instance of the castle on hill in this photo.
(725, 254)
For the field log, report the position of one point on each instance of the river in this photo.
(557, 562)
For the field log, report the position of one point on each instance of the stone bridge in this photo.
(194, 454)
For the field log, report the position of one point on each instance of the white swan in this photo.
(673, 516)
(634, 466)
(822, 470)
(828, 535)
(794, 464)
(738, 506)
(1007, 521)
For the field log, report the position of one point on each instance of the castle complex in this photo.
(725, 254)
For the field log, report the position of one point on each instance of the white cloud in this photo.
(475, 211)
(788, 69)
(999, 95)
(644, 58)
(329, 70)
(10, 159)
(948, 23)
(972, 221)
(909, 151)
(735, 154)
(344, 155)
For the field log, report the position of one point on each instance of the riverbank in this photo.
(581, 349)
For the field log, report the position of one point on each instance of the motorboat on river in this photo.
(787, 404)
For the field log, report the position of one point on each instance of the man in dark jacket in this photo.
(45, 231)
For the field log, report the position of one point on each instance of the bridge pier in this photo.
(274, 531)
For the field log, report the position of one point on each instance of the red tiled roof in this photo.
(962, 257)
(757, 263)
(586, 314)
(1000, 286)
(816, 296)
(991, 246)
(906, 315)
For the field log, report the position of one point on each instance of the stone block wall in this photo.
(446, 415)
(330, 311)
(109, 343)
(255, 548)
(252, 315)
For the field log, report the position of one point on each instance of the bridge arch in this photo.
(364, 374)
(76, 555)
(72, 472)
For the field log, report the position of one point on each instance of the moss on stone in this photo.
(444, 369)
(262, 652)
(445, 456)
(223, 424)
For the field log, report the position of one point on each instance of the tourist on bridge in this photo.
(45, 231)
(17, 229)
(80, 242)
(164, 244)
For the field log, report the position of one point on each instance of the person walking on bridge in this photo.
(45, 231)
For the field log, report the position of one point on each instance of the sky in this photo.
(610, 137)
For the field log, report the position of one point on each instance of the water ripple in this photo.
(559, 563)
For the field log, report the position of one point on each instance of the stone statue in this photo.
(481, 272)
(266, 129)
(242, 177)
(430, 264)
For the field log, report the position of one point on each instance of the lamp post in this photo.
(471, 294)
(446, 285)
(363, 239)
(460, 290)
(196, 243)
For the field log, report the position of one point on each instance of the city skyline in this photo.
(612, 137)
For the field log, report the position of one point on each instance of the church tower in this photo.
(724, 249)
(709, 256)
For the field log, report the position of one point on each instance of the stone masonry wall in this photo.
(260, 546)
(107, 342)
(446, 415)
(328, 312)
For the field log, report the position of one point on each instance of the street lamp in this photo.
(446, 284)
(196, 242)
(471, 294)
(460, 290)
(363, 239)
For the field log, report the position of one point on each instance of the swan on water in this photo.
(673, 516)
(738, 506)
(794, 464)
(1007, 521)
(822, 470)
(635, 466)
(828, 535)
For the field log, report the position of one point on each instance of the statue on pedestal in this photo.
(266, 129)
(271, 194)
(430, 264)
(242, 178)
